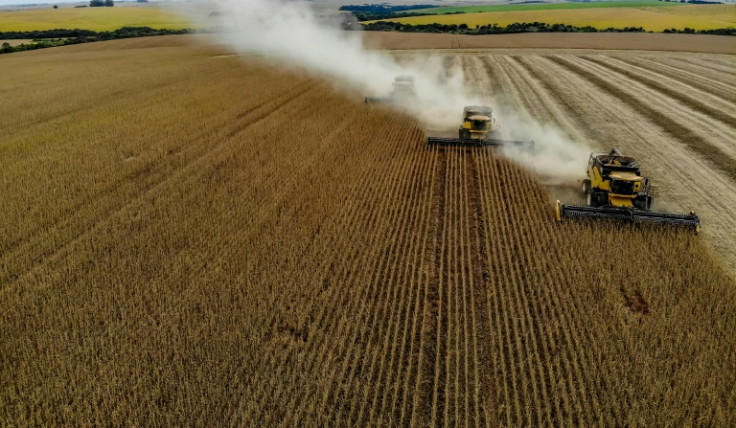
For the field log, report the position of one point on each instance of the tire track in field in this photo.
(710, 66)
(58, 252)
(714, 132)
(377, 277)
(485, 394)
(528, 95)
(551, 107)
(424, 397)
(680, 96)
(518, 274)
(549, 375)
(498, 70)
(474, 72)
(333, 267)
(381, 313)
(681, 177)
(398, 303)
(266, 389)
(369, 226)
(337, 300)
(441, 393)
(441, 369)
(418, 277)
(350, 221)
(266, 213)
(716, 156)
(685, 77)
(422, 394)
(497, 90)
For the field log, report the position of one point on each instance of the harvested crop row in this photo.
(699, 131)
(547, 91)
(710, 109)
(716, 68)
(699, 80)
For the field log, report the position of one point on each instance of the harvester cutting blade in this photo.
(441, 141)
(627, 214)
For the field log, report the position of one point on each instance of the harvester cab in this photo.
(403, 89)
(479, 128)
(615, 189)
(403, 86)
(478, 124)
(615, 180)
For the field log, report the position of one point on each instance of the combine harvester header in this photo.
(479, 128)
(440, 141)
(615, 189)
(627, 214)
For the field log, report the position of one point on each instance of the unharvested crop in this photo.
(698, 17)
(204, 240)
(91, 18)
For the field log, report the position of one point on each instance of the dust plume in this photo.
(291, 32)
(554, 156)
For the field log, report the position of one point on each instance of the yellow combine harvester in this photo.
(479, 128)
(616, 189)
(403, 89)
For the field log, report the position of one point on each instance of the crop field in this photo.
(700, 43)
(177, 249)
(657, 18)
(91, 18)
(544, 6)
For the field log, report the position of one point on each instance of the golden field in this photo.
(91, 18)
(194, 238)
(698, 17)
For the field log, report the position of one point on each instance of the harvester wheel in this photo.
(597, 198)
(586, 186)
(643, 203)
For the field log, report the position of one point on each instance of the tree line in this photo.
(521, 27)
(371, 12)
(64, 37)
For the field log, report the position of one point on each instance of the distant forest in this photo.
(63, 37)
(370, 12)
(523, 27)
(375, 12)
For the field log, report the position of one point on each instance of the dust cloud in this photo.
(292, 33)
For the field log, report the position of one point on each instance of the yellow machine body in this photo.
(479, 124)
(632, 185)
(478, 127)
(403, 86)
(616, 190)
